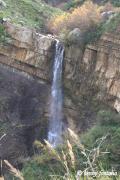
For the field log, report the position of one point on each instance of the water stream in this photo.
(56, 103)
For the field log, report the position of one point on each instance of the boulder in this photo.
(75, 36)
(107, 14)
(22, 36)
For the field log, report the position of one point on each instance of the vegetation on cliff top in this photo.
(85, 17)
(28, 13)
(88, 19)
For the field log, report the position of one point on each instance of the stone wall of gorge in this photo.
(92, 80)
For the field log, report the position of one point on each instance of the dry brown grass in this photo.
(13, 170)
(68, 158)
(1, 178)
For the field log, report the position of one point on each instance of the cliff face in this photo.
(106, 68)
(25, 74)
(91, 82)
(92, 79)
(28, 51)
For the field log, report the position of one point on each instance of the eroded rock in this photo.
(26, 47)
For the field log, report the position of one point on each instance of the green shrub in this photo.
(108, 124)
(2, 33)
(72, 4)
(95, 32)
(112, 24)
(108, 118)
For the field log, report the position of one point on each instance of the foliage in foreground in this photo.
(99, 151)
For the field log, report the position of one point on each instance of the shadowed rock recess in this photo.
(91, 77)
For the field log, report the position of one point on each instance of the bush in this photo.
(85, 17)
(93, 34)
(108, 118)
(108, 124)
(112, 24)
(58, 23)
(2, 33)
(72, 4)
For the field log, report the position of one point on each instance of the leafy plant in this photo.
(2, 33)
(108, 123)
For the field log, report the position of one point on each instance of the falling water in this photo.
(56, 114)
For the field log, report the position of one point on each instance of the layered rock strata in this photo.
(28, 51)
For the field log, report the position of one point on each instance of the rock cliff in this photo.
(28, 51)
(92, 78)
(26, 60)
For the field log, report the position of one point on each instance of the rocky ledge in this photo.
(28, 51)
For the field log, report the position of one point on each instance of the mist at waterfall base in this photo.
(56, 102)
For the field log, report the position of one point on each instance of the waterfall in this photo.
(56, 103)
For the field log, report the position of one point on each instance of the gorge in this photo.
(59, 89)
(26, 63)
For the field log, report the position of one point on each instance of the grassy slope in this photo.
(32, 13)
